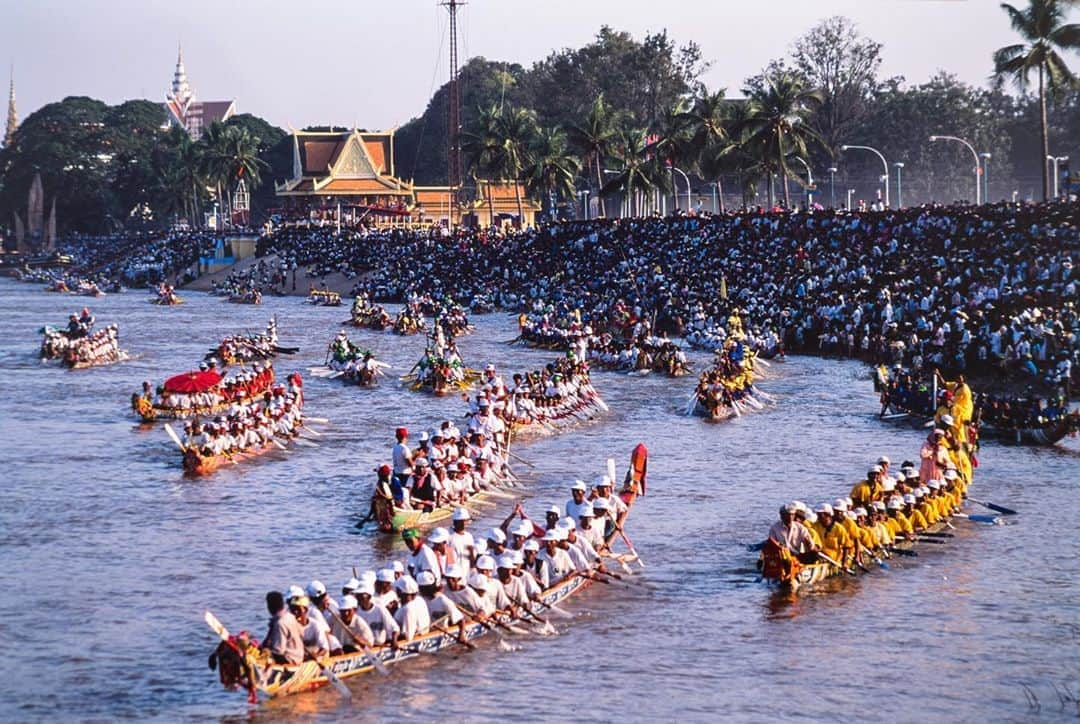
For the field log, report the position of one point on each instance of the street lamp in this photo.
(675, 191)
(832, 186)
(884, 164)
(974, 154)
(585, 202)
(1056, 160)
(899, 166)
(849, 193)
(986, 176)
(809, 182)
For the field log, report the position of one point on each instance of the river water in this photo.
(109, 556)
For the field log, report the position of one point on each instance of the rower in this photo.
(577, 499)
(461, 540)
(534, 565)
(422, 557)
(513, 586)
(917, 520)
(412, 615)
(552, 516)
(284, 638)
(792, 535)
(868, 490)
(897, 522)
(466, 598)
(445, 555)
(615, 505)
(321, 604)
(496, 541)
(317, 641)
(581, 552)
(835, 541)
(555, 558)
(588, 531)
(350, 628)
(440, 606)
(379, 620)
(384, 589)
(495, 595)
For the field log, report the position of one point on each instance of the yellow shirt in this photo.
(834, 540)
(929, 511)
(863, 493)
(882, 534)
(918, 522)
(902, 523)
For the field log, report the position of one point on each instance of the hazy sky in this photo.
(376, 62)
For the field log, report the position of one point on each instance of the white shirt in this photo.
(424, 559)
(358, 627)
(412, 618)
(380, 623)
(573, 510)
(440, 606)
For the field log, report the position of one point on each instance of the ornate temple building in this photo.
(186, 111)
(348, 170)
(12, 115)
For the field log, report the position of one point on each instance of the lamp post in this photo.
(1056, 160)
(884, 165)
(832, 186)
(675, 191)
(974, 154)
(585, 202)
(849, 193)
(809, 182)
(899, 166)
(986, 176)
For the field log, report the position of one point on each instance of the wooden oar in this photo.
(175, 437)
(372, 656)
(992, 506)
(305, 443)
(978, 518)
(278, 444)
(520, 459)
(936, 541)
(630, 545)
(937, 534)
(316, 433)
(338, 683)
(467, 644)
(321, 420)
(825, 558)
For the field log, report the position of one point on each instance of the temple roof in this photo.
(343, 162)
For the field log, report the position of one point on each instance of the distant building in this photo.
(189, 113)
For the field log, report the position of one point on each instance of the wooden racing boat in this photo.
(196, 464)
(277, 680)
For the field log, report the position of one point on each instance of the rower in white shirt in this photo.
(422, 557)
(412, 615)
(577, 500)
(557, 560)
(461, 540)
(382, 625)
(351, 630)
(384, 589)
(534, 566)
(587, 531)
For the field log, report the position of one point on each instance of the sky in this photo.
(375, 63)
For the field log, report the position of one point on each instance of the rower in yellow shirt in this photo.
(926, 506)
(835, 541)
(869, 490)
(897, 522)
(917, 520)
(807, 518)
(867, 537)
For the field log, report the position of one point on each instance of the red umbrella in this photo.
(194, 381)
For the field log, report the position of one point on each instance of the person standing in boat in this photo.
(421, 557)
(402, 459)
(284, 639)
(792, 535)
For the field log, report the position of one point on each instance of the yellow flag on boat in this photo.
(723, 288)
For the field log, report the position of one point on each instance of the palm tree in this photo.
(212, 154)
(709, 146)
(552, 168)
(638, 176)
(777, 125)
(593, 137)
(1044, 32)
(517, 127)
(483, 149)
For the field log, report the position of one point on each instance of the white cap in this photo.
(912, 474)
(884, 460)
(485, 563)
(840, 504)
(933, 485)
(398, 567)
(348, 602)
(859, 512)
(947, 419)
(365, 588)
(385, 575)
(506, 561)
(888, 485)
(824, 508)
(496, 535)
(316, 589)
(850, 515)
(367, 577)
(604, 481)
(586, 511)
(439, 535)
(425, 578)
(895, 503)
(876, 468)
(462, 514)
(551, 535)
(406, 584)
(294, 592)
(480, 546)
(531, 545)
(811, 516)
(523, 529)
(951, 474)
(351, 585)
(579, 485)
(453, 570)
(554, 509)
(566, 524)
(909, 499)
(877, 505)
(478, 581)
(599, 504)
(850, 502)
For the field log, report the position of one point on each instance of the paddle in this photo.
(978, 518)
(321, 420)
(467, 644)
(996, 508)
(937, 534)
(935, 541)
(223, 633)
(630, 545)
(333, 678)
(175, 437)
(825, 558)
(520, 459)
(372, 656)
(905, 552)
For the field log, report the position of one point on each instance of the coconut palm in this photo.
(517, 128)
(1042, 27)
(593, 138)
(230, 153)
(639, 175)
(552, 168)
(710, 146)
(777, 126)
(483, 150)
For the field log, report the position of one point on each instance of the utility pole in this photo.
(453, 152)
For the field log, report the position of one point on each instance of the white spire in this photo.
(181, 90)
(12, 115)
